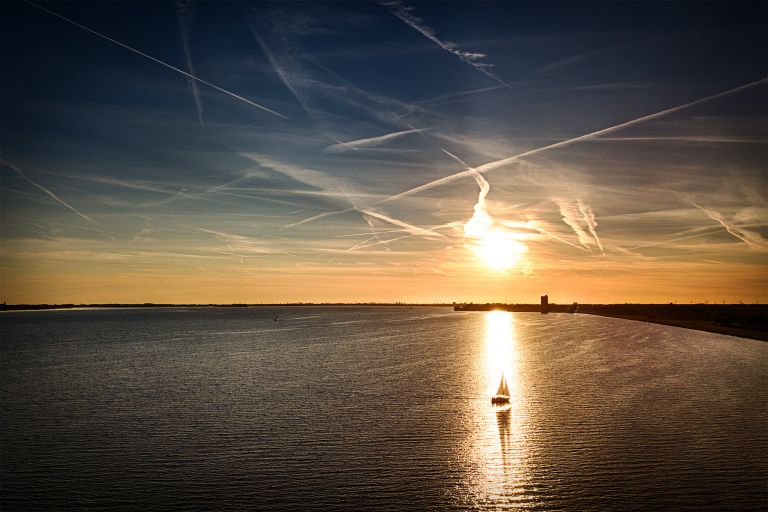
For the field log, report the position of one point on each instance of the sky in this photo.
(201, 152)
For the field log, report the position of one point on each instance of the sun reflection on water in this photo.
(501, 446)
(501, 352)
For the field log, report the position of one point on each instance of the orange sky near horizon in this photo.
(185, 283)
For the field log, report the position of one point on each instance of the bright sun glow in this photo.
(498, 250)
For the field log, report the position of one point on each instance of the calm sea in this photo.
(379, 408)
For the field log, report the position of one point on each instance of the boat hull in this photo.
(499, 399)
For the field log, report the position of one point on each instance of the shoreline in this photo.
(694, 325)
(741, 320)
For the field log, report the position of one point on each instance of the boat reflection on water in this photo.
(504, 423)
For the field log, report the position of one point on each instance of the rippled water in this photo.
(377, 408)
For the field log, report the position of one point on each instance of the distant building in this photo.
(544, 304)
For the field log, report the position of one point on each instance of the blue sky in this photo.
(277, 174)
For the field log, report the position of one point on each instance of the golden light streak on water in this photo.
(501, 350)
(500, 450)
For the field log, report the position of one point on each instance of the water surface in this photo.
(382, 408)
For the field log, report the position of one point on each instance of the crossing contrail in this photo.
(153, 59)
(48, 192)
(592, 135)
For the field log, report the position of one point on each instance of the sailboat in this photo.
(502, 394)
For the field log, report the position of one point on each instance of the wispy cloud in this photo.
(284, 75)
(383, 109)
(581, 219)
(371, 141)
(474, 59)
(158, 61)
(334, 188)
(572, 217)
(45, 190)
(315, 86)
(591, 221)
(184, 15)
(573, 59)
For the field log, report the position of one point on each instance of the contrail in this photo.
(134, 50)
(651, 244)
(371, 233)
(319, 216)
(561, 239)
(379, 242)
(228, 236)
(592, 135)
(261, 198)
(354, 144)
(410, 227)
(481, 221)
(372, 226)
(748, 237)
(183, 13)
(385, 242)
(444, 97)
(532, 226)
(405, 13)
(54, 196)
(454, 157)
(705, 139)
(359, 244)
(337, 141)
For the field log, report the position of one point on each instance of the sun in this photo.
(498, 250)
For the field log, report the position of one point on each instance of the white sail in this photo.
(503, 388)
